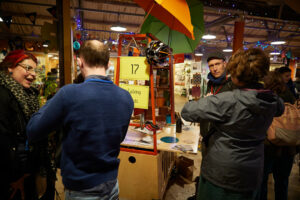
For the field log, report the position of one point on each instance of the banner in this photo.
(139, 94)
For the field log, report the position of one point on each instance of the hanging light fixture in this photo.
(46, 44)
(277, 42)
(208, 37)
(118, 27)
(275, 53)
(228, 48)
(198, 54)
(199, 51)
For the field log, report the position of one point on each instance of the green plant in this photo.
(49, 88)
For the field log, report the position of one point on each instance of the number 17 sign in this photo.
(134, 68)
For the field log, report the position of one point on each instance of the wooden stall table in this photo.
(145, 177)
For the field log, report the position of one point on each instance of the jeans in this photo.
(280, 166)
(101, 193)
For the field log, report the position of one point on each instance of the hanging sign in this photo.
(139, 94)
(134, 68)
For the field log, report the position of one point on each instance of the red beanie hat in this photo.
(17, 56)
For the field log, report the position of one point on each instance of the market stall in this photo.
(149, 149)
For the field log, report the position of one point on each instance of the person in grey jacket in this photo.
(232, 168)
(219, 81)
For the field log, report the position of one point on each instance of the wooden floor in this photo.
(180, 188)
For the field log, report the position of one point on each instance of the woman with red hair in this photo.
(18, 101)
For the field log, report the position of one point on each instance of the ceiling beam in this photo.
(293, 5)
(221, 20)
(108, 11)
(28, 3)
(23, 24)
(92, 21)
(5, 35)
(261, 28)
(207, 10)
(44, 17)
(114, 2)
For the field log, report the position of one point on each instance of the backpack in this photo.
(285, 130)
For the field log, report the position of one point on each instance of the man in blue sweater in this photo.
(95, 116)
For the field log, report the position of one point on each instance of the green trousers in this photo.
(209, 191)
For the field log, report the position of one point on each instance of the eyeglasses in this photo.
(29, 68)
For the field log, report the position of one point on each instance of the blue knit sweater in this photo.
(95, 116)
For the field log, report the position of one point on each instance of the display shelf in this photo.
(133, 154)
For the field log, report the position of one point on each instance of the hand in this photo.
(18, 185)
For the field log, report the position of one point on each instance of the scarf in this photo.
(27, 98)
(217, 81)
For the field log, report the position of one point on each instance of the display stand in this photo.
(137, 164)
(138, 37)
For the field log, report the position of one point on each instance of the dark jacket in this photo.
(226, 85)
(14, 154)
(235, 152)
(95, 116)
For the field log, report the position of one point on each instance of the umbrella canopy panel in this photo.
(175, 14)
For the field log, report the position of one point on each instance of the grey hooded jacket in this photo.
(235, 151)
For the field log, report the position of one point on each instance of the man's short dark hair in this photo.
(216, 55)
(94, 53)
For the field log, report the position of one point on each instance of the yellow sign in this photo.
(139, 94)
(134, 68)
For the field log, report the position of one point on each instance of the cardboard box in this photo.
(185, 167)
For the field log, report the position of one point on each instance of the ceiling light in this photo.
(46, 44)
(278, 42)
(1, 20)
(118, 28)
(275, 53)
(227, 50)
(198, 54)
(208, 37)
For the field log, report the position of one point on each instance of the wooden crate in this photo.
(144, 177)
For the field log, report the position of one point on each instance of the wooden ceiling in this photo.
(264, 20)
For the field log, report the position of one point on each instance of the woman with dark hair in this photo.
(278, 159)
(232, 168)
(18, 101)
(286, 76)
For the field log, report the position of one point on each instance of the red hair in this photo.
(15, 57)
